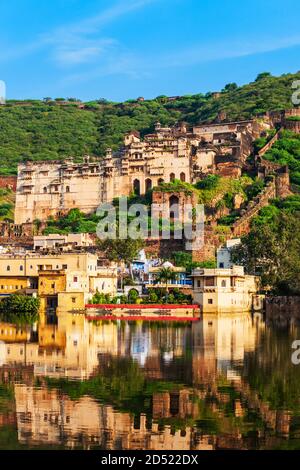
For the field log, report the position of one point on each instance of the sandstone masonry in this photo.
(52, 188)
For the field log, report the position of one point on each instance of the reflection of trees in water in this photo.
(270, 371)
(230, 411)
(187, 392)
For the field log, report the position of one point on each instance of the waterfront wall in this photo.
(143, 312)
(283, 308)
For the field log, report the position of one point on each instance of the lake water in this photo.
(220, 383)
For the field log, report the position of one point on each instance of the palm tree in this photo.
(165, 275)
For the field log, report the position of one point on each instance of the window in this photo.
(45, 190)
(74, 300)
(53, 285)
(210, 301)
(209, 281)
(221, 265)
(8, 268)
(223, 284)
(75, 279)
(21, 268)
(137, 187)
(148, 184)
(198, 283)
(67, 189)
(65, 266)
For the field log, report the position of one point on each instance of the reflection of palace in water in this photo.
(72, 348)
(195, 355)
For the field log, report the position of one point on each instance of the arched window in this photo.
(182, 176)
(160, 181)
(172, 177)
(174, 207)
(45, 190)
(137, 187)
(148, 184)
(223, 284)
(67, 189)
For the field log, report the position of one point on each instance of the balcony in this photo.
(156, 171)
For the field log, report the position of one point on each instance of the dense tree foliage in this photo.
(121, 250)
(53, 129)
(19, 309)
(271, 249)
(286, 151)
(74, 222)
(7, 201)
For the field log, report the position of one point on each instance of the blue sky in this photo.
(121, 49)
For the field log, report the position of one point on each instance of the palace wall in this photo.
(52, 188)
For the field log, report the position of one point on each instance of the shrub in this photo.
(19, 309)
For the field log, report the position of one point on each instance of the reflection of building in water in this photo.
(11, 333)
(69, 350)
(73, 348)
(46, 416)
(197, 356)
(49, 417)
(221, 341)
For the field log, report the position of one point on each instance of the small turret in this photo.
(108, 154)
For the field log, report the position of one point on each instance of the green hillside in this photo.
(54, 129)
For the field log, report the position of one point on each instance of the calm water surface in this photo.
(220, 383)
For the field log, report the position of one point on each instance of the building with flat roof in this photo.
(55, 240)
(224, 290)
(64, 281)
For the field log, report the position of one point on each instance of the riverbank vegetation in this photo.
(19, 309)
(154, 295)
(271, 249)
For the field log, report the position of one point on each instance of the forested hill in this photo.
(53, 129)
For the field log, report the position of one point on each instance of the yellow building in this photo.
(30, 263)
(13, 285)
(63, 280)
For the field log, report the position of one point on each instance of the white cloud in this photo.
(123, 62)
(79, 42)
(69, 53)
